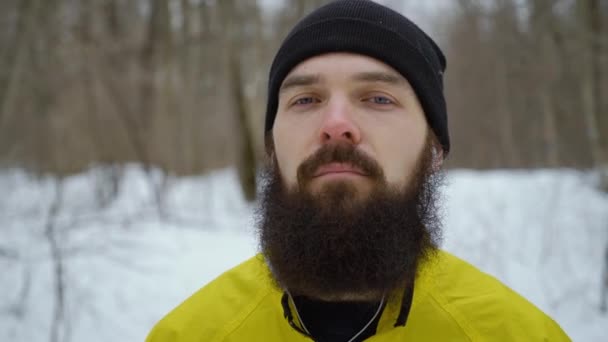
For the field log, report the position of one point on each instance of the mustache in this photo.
(339, 153)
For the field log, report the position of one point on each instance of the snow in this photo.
(540, 232)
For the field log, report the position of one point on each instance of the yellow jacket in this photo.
(452, 301)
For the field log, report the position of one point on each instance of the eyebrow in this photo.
(379, 76)
(299, 81)
(368, 76)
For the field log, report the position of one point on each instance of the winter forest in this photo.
(131, 132)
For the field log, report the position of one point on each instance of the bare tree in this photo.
(604, 284)
(590, 19)
(15, 57)
(109, 83)
(232, 16)
(544, 30)
(506, 32)
(58, 321)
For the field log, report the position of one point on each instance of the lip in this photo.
(338, 169)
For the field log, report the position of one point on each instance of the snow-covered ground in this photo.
(124, 266)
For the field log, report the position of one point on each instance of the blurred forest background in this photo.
(181, 84)
(178, 87)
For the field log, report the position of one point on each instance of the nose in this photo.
(338, 124)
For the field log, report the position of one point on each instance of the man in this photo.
(356, 132)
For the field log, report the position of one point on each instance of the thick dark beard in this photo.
(331, 245)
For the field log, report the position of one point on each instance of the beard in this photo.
(341, 243)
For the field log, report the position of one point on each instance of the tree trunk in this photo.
(544, 29)
(505, 113)
(57, 333)
(589, 21)
(16, 58)
(246, 164)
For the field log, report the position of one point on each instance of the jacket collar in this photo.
(395, 313)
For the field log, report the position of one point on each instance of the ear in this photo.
(270, 151)
(437, 157)
(271, 158)
(269, 144)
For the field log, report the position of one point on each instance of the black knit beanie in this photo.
(367, 28)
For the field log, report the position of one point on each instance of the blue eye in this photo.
(304, 101)
(381, 100)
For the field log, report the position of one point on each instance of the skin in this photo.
(353, 99)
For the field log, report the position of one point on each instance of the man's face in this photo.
(348, 203)
(347, 99)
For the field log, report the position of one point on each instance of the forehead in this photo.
(342, 63)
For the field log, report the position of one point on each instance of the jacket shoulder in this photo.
(485, 308)
(217, 308)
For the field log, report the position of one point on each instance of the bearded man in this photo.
(356, 133)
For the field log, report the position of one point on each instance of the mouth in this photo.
(338, 169)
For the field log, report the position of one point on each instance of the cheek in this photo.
(287, 148)
(294, 141)
(400, 155)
